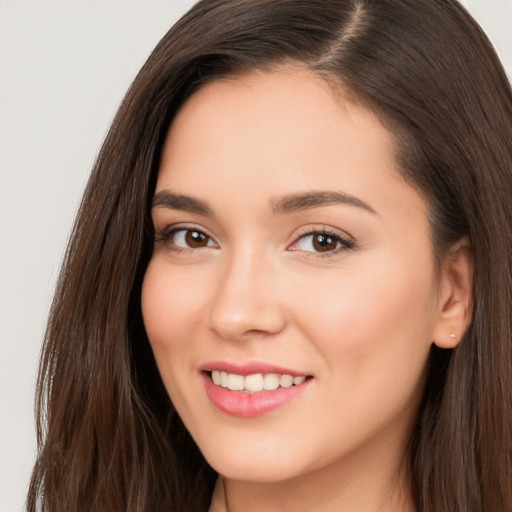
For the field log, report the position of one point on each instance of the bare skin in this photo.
(286, 236)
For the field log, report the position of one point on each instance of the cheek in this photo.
(376, 318)
(172, 302)
(173, 299)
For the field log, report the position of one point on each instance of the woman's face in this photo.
(288, 246)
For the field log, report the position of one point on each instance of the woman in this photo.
(289, 279)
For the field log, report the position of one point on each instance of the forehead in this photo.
(287, 113)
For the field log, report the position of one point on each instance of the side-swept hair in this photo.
(109, 437)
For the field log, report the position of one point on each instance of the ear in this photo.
(455, 296)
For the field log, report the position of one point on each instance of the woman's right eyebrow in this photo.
(168, 199)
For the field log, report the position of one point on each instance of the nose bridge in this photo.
(244, 301)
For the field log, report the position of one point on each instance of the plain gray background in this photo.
(64, 67)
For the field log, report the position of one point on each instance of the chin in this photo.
(264, 470)
(258, 457)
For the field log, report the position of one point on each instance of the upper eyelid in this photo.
(321, 228)
(173, 228)
(161, 235)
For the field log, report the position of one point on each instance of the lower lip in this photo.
(238, 403)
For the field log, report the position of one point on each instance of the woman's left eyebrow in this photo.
(316, 199)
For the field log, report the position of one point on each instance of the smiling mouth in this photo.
(245, 392)
(256, 382)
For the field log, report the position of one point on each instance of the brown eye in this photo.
(324, 243)
(187, 239)
(195, 239)
(321, 242)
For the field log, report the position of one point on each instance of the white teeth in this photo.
(235, 382)
(270, 381)
(286, 381)
(254, 382)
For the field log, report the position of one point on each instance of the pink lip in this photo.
(243, 404)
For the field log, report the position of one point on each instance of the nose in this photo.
(245, 304)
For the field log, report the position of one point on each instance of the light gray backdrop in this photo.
(64, 67)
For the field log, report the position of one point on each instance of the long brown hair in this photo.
(109, 437)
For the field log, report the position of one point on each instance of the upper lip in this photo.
(249, 368)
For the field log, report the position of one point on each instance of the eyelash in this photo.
(344, 243)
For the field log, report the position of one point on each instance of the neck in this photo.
(307, 495)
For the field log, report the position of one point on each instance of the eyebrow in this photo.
(168, 199)
(316, 199)
(287, 204)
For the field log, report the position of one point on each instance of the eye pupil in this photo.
(196, 239)
(324, 243)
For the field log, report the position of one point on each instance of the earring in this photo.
(452, 335)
